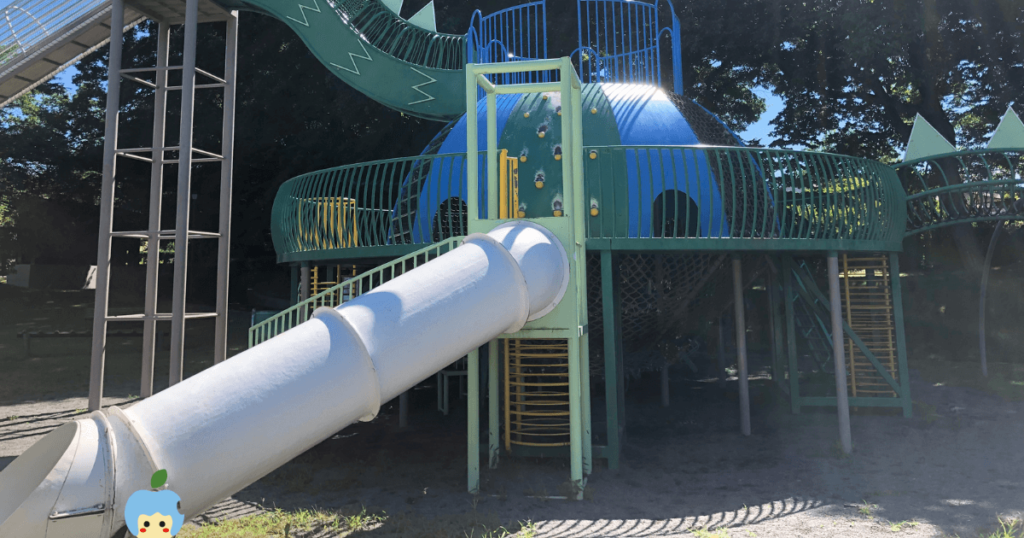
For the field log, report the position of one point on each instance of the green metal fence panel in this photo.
(385, 205)
(643, 198)
(745, 195)
(963, 187)
(347, 290)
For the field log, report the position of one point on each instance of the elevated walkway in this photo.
(41, 38)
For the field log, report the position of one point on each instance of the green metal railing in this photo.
(395, 36)
(347, 290)
(963, 187)
(340, 211)
(808, 200)
(645, 197)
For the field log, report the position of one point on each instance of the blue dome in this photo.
(613, 114)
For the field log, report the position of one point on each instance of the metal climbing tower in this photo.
(159, 155)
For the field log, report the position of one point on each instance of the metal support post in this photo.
(741, 344)
(156, 188)
(188, 91)
(493, 406)
(575, 416)
(99, 322)
(794, 369)
(304, 282)
(220, 347)
(664, 385)
(473, 422)
(901, 336)
(835, 305)
(588, 439)
(403, 409)
(293, 293)
(721, 350)
(611, 371)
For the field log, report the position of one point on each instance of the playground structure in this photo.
(641, 218)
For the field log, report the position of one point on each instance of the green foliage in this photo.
(158, 479)
(855, 74)
(6, 53)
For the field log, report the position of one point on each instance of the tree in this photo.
(855, 73)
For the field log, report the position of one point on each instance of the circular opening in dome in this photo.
(23, 475)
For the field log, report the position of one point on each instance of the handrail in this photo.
(24, 25)
(704, 192)
(347, 290)
(963, 187)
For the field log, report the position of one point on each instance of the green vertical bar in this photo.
(472, 148)
(794, 371)
(901, 337)
(611, 371)
(492, 156)
(575, 418)
(777, 338)
(493, 405)
(588, 440)
(473, 422)
(294, 294)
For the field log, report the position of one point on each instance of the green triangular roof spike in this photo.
(925, 141)
(1010, 133)
(394, 5)
(424, 18)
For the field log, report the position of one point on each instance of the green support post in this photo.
(611, 371)
(794, 370)
(901, 337)
(473, 422)
(293, 296)
(588, 441)
(493, 405)
(575, 417)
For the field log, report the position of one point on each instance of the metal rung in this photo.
(161, 317)
(164, 234)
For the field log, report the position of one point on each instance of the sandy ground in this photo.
(951, 470)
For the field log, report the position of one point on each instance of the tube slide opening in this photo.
(26, 473)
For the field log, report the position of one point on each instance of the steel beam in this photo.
(99, 322)
(220, 346)
(473, 422)
(156, 188)
(493, 406)
(184, 197)
(741, 344)
(611, 371)
(838, 353)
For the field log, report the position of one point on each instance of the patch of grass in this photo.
(281, 523)
(866, 508)
(897, 527)
(284, 523)
(1008, 528)
(705, 533)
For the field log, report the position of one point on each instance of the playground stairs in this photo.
(346, 290)
(869, 318)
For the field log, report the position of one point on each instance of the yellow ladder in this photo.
(867, 308)
(536, 392)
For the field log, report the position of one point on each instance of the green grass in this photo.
(283, 523)
(1008, 528)
(897, 527)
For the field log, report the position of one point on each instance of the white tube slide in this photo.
(231, 424)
